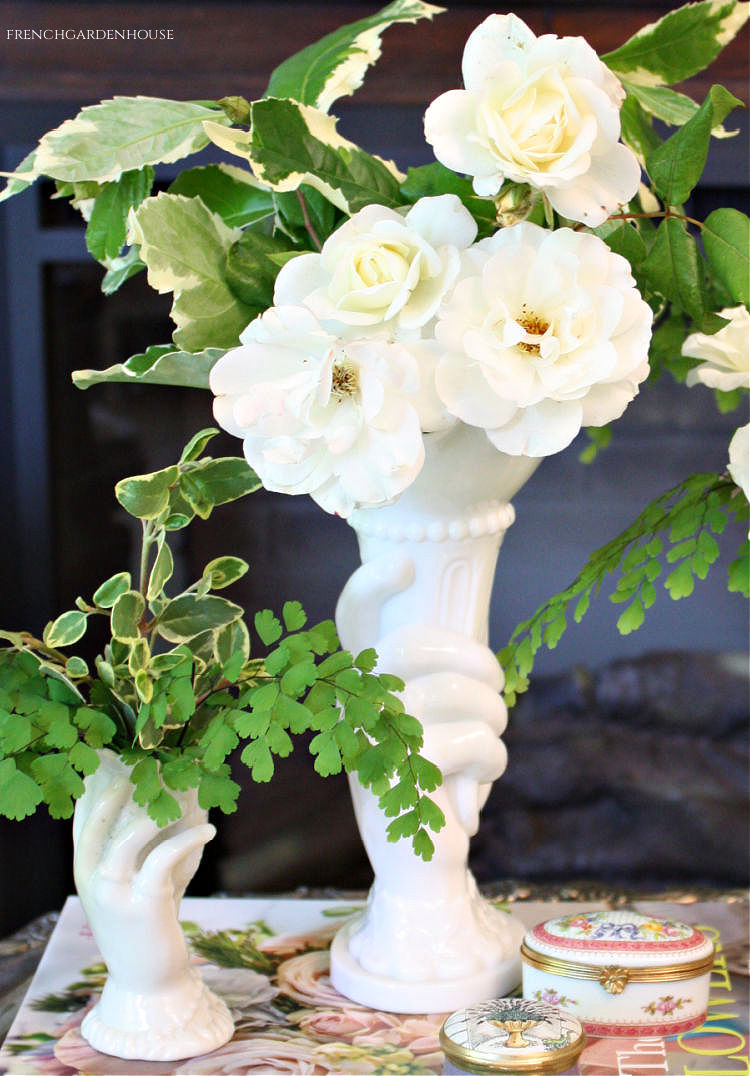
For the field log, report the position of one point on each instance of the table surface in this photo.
(21, 952)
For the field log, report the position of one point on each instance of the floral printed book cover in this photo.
(269, 960)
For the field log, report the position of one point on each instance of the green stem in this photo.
(308, 223)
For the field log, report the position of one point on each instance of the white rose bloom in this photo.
(726, 354)
(544, 332)
(382, 268)
(739, 459)
(543, 111)
(320, 414)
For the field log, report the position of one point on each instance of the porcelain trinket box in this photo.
(620, 973)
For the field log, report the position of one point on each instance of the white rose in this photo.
(381, 268)
(543, 111)
(739, 459)
(330, 416)
(544, 332)
(726, 354)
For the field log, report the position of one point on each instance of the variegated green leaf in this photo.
(680, 44)
(184, 246)
(231, 192)
(161, 364)
(119, 135)
(293, 144)
(336, 65)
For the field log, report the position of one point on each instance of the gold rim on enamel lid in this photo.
(509, 1035)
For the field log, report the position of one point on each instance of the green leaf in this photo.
(637, 129)
(230, 192)
(680, 581)
(327, 754)
(268, 627)
(59, 782)
(98, 729)
(623, 238)
(423, 845)
(121, 269)
(21, 179)
(667, 105)
(678, 45)
(184, 246)
(218, 790)
(126, 616)
(161, 572)
(675, 268)
(726, 241)
(196, 446)
(292, 144)
(120, 135)
(632, 618)
(180, 774)
(84, 758)
(107, 226)
(146, 496)
(163, 808)
(259, 760)
(298, 678)
(294, 616)
(67, 629)
(251, 267)
(107, 594)
(223, 480)
(297, 209)
(217, 742)
(160, 364)
(336, 65)
(19, 794)
(232, 640)
(739, 572)
(366, 660)
(676, 166)
(187, 616)
(222, 571)
(15, 732)
(406, 825)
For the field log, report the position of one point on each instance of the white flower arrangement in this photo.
(526, 283)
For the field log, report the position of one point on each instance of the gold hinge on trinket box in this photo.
(614, 978)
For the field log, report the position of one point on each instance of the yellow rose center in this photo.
(535, 325)
(381, 264)
(344, 379)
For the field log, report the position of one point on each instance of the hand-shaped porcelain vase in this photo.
(427, 941)
(131, 877)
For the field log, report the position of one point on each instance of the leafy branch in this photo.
(176, 691)
(678, 527)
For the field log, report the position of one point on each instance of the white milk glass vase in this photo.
(131, 876)
(427, 941)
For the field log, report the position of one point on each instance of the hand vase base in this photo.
(186, 1023)
(496, 978)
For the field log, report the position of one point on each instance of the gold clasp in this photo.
(614, 979)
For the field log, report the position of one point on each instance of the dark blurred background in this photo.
(628, 758)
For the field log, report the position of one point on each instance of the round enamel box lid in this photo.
(511, 1035)
(623, 939)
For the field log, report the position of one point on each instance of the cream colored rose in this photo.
(543, 111)
(332, 416)
(381, 268)
(543, 333)
(725, 354)
(739, 459)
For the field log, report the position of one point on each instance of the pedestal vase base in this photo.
(159, 1028)
(432, 996)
